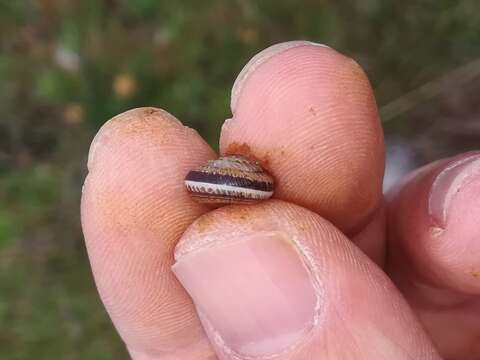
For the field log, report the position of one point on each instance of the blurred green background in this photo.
(68, 66)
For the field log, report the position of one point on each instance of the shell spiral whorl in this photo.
(229, 180)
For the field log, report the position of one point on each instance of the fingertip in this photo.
(134, 209)
(276, 280)
(258, 60)
(138, 120)
(433, 218)
(455, 208)
(308, 114)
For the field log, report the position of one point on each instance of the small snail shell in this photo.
(229, 180)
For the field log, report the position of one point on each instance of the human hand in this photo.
(276, 280)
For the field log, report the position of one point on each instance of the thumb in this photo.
(277, 281)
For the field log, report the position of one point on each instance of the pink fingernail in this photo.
(256, 293)
(448, 183)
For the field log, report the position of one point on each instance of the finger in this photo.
(434, 250)
(275, 280)
(307, 113)
(134, 209)
(372, 238)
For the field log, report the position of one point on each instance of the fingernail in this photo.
(447, 184)
(256, 293)
(259, 59)
(93, 148)
(225, 125)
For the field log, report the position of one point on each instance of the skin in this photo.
(307, 113)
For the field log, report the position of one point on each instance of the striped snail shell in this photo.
(229, 180)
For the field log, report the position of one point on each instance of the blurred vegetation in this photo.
(68, 66)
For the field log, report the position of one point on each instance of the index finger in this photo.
(134, 210)
(308, 114)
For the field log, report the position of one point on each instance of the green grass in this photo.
(50, 309)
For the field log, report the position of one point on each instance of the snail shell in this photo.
(229, 180)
